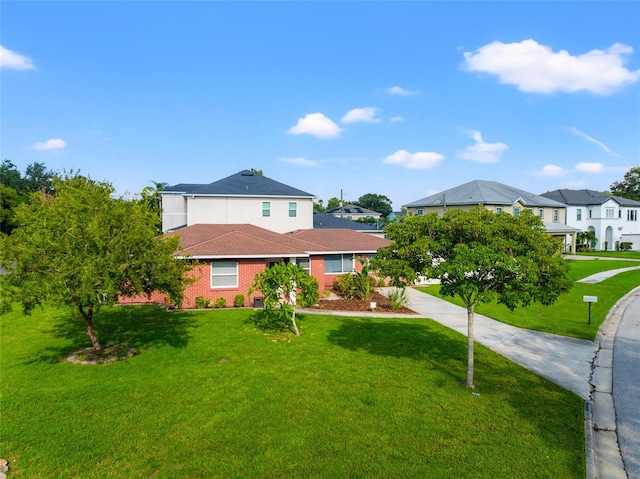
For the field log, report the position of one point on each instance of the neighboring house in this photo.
(396, 215)
(353, 212)
(613, 219)
(326, 221)
(244, 197)
(229, 256)
(498, 197)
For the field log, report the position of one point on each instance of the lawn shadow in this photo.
(419, 341)
(495, 378)
(131, 326)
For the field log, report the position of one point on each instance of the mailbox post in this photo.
(590, 299)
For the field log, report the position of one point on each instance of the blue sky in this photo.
(400, 99)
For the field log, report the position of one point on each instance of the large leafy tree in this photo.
(375, 202)
(83, 248)
(629, 187)
(284, 287)
(478, 256)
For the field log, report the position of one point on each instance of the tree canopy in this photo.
(375, 202)
(83, 248)
(479, 256)
(629, 187)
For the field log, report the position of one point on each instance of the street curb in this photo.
(606, 334)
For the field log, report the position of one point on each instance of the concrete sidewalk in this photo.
(563, 360)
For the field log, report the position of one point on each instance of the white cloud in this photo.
(396, 119)
(15, 61)
(483, 152)
(581, 134)
(397, 90)
(299, 161)
(551, 170)
(54, 144)
(366, 114)
(590, 167)
(316, 124)
(421, 160)
(535, 68)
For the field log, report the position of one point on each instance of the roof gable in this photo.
(243, 183)
(479, 192)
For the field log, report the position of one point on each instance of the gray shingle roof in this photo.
(586, 198)
(485, 193)
(244, 183)
(352, 210)
(326, 221)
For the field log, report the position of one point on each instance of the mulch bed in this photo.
(383, 305)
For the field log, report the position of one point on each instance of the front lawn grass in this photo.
(612, 254)
(211, 396)
(569, 316)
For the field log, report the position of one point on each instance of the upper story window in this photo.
(610, 213)
(556, 215)
(579, 214)
(224, 274)
(632, 215)
(541, 212)
(620, 214)
(589, 214)
(516, 211)
(293, 207)
(266, 208)
(338, 263)
(420, 212)
(498, 209)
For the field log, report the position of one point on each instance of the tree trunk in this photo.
(88, 319)
(470, 316)
(293, 321)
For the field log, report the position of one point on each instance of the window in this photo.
(579, 214)
(541, 212)
(293, 209)
(498, 209)
(338, 263)
(224, 274)
(610, 213)
(516, 211)
(632, 215)
(620, 214)
(266, 208)
(420, 212)
(589, 214)
(304, 263)
(556, 215)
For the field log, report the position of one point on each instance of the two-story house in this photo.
(612, 219)
(498, 198)
(236, 227)
(243, 198)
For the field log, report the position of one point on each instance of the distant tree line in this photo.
(372, 201)
(15, 189)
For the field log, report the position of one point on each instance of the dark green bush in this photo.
(238, 301)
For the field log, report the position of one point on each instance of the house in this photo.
(228, 256)
(236, 227)
(245, 197)
(353, 212)
(612, 219)
(326, 221)
(498, 198)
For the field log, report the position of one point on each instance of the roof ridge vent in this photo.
(246, 173)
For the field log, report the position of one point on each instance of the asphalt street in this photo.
(626, 387)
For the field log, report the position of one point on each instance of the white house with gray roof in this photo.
(612, 219)
(499, 198)
(243, 198)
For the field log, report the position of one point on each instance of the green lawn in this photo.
(211, 396)
(569, 316)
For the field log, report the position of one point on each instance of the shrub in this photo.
(238, 301)
(358, 285)
(202, 302)
(221, 302)
(625, 246)
(398, 297)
